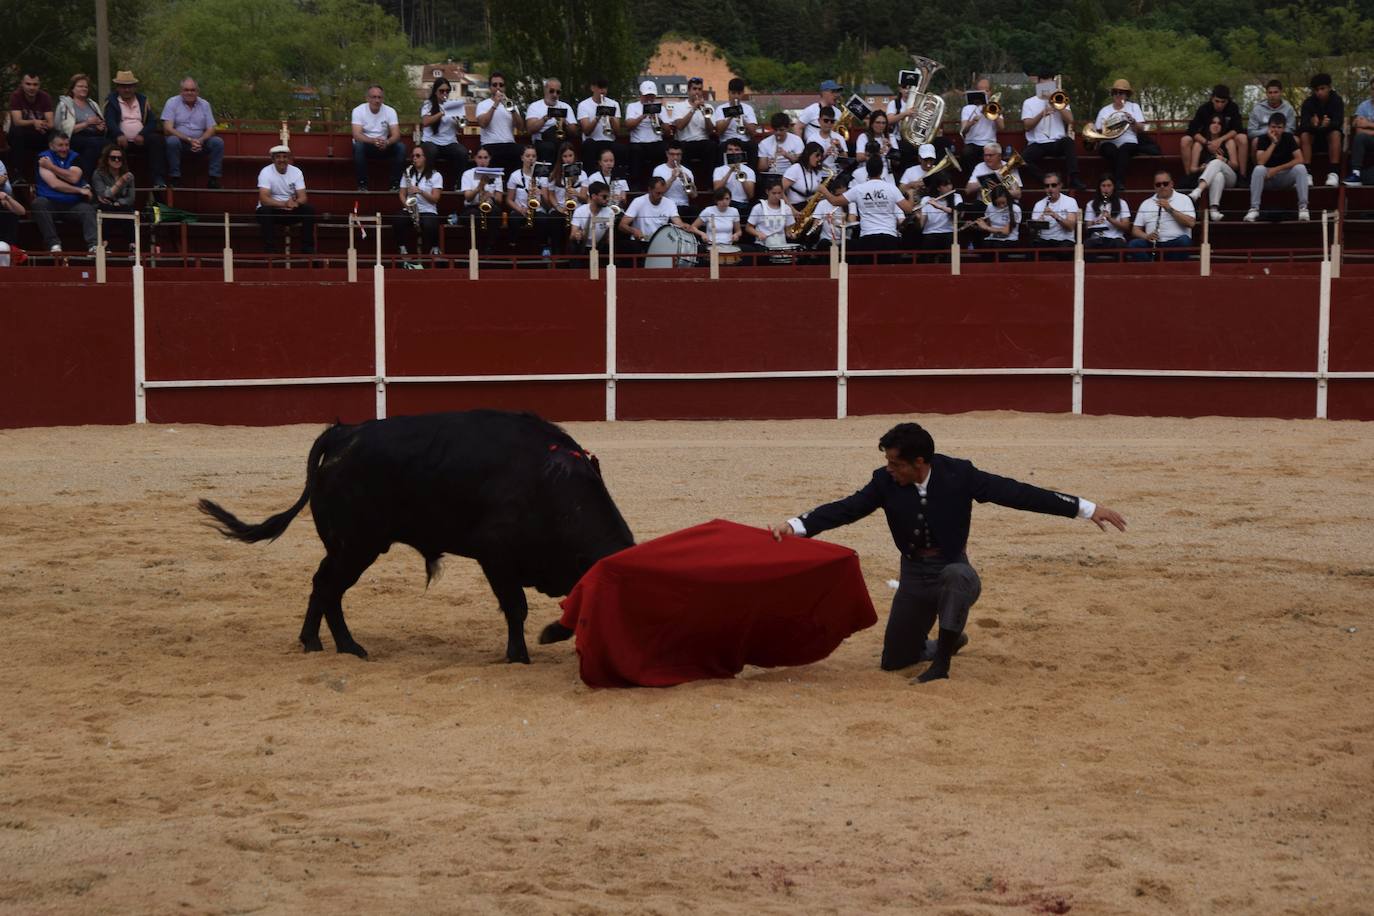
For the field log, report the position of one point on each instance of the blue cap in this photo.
(830, 85)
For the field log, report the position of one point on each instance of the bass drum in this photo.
(670, 246)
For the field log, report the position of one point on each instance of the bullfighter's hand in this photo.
(1102, 517)
(782, 530)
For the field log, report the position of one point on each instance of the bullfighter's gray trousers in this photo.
(928, 589)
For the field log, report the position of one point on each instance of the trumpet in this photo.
(993, 109)
(656, 125)
(1059, 100)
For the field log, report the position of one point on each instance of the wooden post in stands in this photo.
(715, 257)
(377, 218)
(954, 240)
(1079, 281)
(1326, 247)
(472, 247)
(1206, 257)
(593, 256)
(352, 250)
(229, 252)
(1078, 240)
(100, 246)
(1336, 245)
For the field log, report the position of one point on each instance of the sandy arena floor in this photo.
(1177, 719)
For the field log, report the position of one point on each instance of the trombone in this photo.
(1059, 100)
(993, 109)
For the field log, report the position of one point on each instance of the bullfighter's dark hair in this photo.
(910, 440)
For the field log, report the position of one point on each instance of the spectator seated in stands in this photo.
(377, 135)
(189, 125)
(113, 186)
(1273, 103)
(1322, 120)
(1198, 139)
(1362, 136)
(1278, 164)
(79, 117)
(1220, 166)
(131, 124)
(425, 185)
(31, 121)
(11, 210)
(61, 189)
(1164, 221)
(282, 200)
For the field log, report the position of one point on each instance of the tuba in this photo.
(929, 108)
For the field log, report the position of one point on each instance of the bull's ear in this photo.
(596, 463)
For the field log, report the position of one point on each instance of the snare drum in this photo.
(780, 251)
(729, 254)
(671, 246)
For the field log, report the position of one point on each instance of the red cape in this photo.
(708, 600)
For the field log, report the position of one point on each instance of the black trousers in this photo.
(643, 158)
(269, 218)
(404, 229)
(1035, 152)
(885, 243)
(1118, 157)
(702, 157)
(9, 227)
(928, 590)
(591, 154)
(505, 155)
(450, 161)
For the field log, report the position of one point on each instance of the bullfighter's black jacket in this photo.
(941, 517)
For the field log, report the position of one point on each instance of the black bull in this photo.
(512, 491)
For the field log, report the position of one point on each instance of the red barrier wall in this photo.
(66, 355)
(258, 330)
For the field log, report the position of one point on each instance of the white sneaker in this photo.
(1195, 194)
(1331, 180)
(434, 251)
(401, 249)
(1251, 216)
(54, 249)
(1303, 215)
(1216, 215)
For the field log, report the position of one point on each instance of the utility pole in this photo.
(102, 49)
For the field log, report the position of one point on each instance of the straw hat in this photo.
(125, 78)
(1123, 86)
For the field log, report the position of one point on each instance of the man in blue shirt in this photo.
(928, 500)
(61, 189)
(1362, 136)
(189, 123)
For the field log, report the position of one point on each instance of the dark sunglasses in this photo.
(116, 158)
(1051, 184)
(1163, 184)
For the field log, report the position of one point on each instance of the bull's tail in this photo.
(232, 527)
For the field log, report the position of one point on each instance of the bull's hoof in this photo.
(352, 649)
(312, 645)
(518, 656)
(554, 632)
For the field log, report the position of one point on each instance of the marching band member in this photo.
(977, 129)
(738, 178)
(804, 176)
(647, 214)
(1106, 218)
(937, 213)
(1057, 209)
(778, 151)
(498, 117)
(423, 183)
(1118, 152)
(439, 119)
(808, 122)
(1001, 221)
(679, 179)
(720, 221)
(878, 201)
(592, 220)
(913, 183)
(1164, 221)
(986, 172)
(545, 131)
(648, 146)
(605, 173)
(521, 188)
(834, 144)
(743, 127)
(770, 218)
(694, 129)
(1189, 145)
(598, 130)
(879, 135)
(1219, 169)
(1047, 131)
(835, 221)
(479, 189)
(562, 188)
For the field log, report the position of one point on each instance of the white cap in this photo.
(648, 88)
(927, 151)
(279, 148)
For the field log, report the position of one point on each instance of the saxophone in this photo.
(807, 225)
(569, 201)
(531, 206)
(412, 178)
(929, 107)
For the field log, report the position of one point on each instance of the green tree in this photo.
(56, 39)
(1171, 73)
(573, 40)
